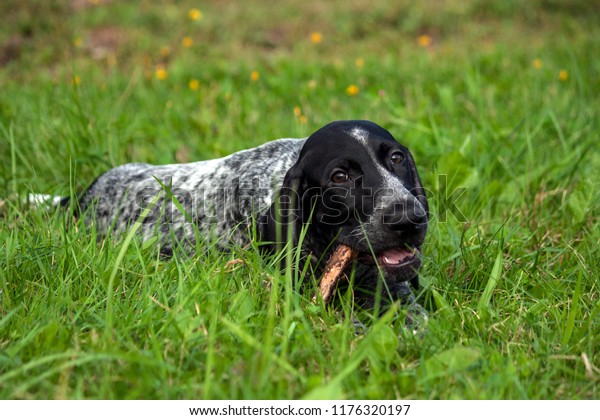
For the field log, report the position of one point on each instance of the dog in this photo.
(348, 183)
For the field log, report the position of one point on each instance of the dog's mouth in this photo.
(392, 259)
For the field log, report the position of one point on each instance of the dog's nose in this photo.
(407, 218)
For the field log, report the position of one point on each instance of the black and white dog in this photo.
(350, 182)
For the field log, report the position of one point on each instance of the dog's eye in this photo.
(339, 177)
(397, 157)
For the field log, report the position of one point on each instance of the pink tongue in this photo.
(395, 256)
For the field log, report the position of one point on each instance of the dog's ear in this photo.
(283, 220)
(418, 190)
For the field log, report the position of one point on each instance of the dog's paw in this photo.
(359, 327)
(416, 319)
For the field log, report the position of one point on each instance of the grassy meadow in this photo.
(498, 101)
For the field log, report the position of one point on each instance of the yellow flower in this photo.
(195, 14)
(76, 80)
(194, 84)
(316, 37)
(187, 41)
(254, 76)
(359, 62)
(298, 113)
(165, 51)
(78, 42)
(352, 90)
(161, 73)
(537, 63)
(424, 40)
(312, 84)
(563, 75)
(112, 60)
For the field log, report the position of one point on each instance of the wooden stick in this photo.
(334, 268)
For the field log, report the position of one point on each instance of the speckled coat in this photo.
(221, 197)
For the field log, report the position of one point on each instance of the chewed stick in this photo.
(334, 268)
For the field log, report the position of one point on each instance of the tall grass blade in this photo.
(113, 274)
(573, 312)
(486, 296)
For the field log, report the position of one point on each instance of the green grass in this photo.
(507, 151)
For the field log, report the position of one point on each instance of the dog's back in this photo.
(217, 195)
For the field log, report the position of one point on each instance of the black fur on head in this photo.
(354, 184)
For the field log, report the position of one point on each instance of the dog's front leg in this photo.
(416, 316)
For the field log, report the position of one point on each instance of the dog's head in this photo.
(354, 184)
